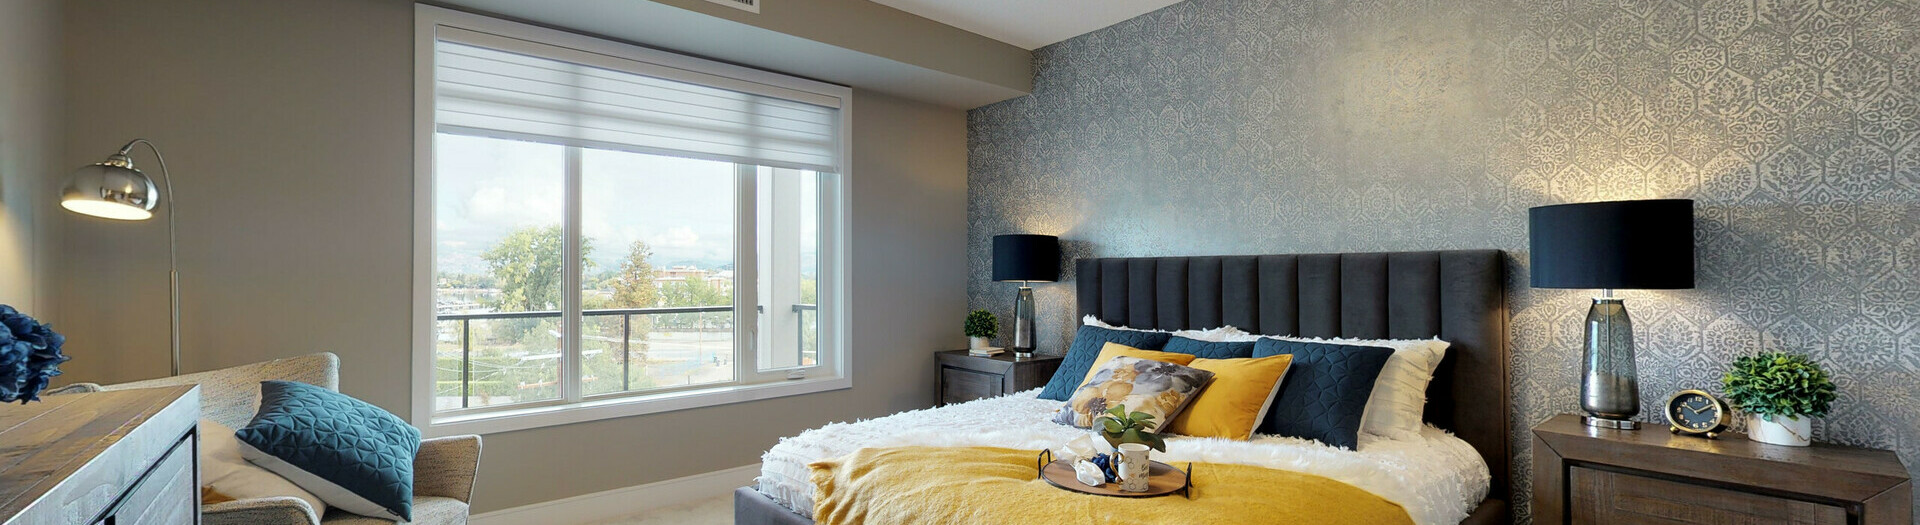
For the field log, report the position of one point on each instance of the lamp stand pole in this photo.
(173, 250)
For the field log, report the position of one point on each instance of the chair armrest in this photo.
(259, 511)
(76, 388)
(446, 466)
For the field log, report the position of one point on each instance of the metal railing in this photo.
(626, 334)
(806, 348)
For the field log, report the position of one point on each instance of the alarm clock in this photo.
(1697, 413)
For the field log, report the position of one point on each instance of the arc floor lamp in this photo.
(114, 189)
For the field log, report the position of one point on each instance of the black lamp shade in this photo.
(1026, 258)
(1629, 245)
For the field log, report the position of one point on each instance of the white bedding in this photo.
(1437, 477)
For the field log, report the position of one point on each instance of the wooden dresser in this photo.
(1583, 474)
(126, 457)
(964, 377)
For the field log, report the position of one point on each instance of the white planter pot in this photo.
(976, 343)
(1794, 431)
(1133, 467)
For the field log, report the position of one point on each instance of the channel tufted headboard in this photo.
(1458, 296)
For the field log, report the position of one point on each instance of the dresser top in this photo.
(44, 442)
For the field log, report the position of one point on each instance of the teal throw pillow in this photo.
(1086, 346)
(351, 454)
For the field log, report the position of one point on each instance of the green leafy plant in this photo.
(1779, 384)
(982, 323)
(1118, 426)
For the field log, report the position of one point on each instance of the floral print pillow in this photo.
(1154, 387)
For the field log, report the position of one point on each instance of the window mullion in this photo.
(746, 275)
(570, 316)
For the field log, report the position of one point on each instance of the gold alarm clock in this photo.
(1697, 413)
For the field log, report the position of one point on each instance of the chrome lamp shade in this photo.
(1641, 245)
(112, 189)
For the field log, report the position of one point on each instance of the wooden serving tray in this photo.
(1162, 479)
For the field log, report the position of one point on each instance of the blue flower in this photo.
(29, 356)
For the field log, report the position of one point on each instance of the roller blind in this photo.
(501, 87)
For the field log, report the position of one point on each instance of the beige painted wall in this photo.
(289, 126)
(29, 104)
(881, 30)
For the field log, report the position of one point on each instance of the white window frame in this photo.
(832, 371)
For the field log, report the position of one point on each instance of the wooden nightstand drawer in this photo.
(1601, 497)
(966, 385)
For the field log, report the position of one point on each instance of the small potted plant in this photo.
(980, 328)
(1781, 393)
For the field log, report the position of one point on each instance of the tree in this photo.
(526, 265)
(695, 292)
(634, 286)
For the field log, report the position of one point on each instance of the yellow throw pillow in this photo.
(1233, 405)
(1112, 350)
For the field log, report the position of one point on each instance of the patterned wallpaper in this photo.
(1254, 126)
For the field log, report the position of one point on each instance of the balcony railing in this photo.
(809, 316)
(597, 320)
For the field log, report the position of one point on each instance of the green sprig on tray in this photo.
(1119, 426)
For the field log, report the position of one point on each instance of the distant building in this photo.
(721, 280)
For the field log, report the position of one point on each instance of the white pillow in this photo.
(225, 471)
(1395, 409)
(1224, 333)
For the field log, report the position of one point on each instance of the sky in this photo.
(486, 188)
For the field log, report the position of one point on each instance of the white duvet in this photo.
(1435, 476)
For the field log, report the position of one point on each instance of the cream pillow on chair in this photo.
(224, 471)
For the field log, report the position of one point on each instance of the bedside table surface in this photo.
(1006, 356)
(1865, 462)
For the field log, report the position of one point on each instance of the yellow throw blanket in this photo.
(999, 486)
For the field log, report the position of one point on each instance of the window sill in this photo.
(598, 409)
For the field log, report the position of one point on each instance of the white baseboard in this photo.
(624, 501)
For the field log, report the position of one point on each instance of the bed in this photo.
(1458, 467)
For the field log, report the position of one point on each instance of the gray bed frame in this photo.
(1458, 296)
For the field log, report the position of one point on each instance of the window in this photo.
(605, 230)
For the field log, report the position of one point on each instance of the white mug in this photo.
(1133, 467)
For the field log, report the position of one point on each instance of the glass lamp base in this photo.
(1609, 384)
(1023, 322)
(1620, 424)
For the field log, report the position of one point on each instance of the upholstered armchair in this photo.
(442, 472)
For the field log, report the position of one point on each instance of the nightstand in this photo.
(962, 377)
(1585, 474)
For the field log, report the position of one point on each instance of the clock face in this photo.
(1694, 412)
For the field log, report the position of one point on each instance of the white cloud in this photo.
(678, 237)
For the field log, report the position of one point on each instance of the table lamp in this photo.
(1026, 259)
(1637, 245)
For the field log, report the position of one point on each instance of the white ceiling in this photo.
(1030, 24)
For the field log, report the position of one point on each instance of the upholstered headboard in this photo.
(1455, 295)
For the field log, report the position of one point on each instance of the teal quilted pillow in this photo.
(351, 454)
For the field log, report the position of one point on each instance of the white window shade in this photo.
(506, 88)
